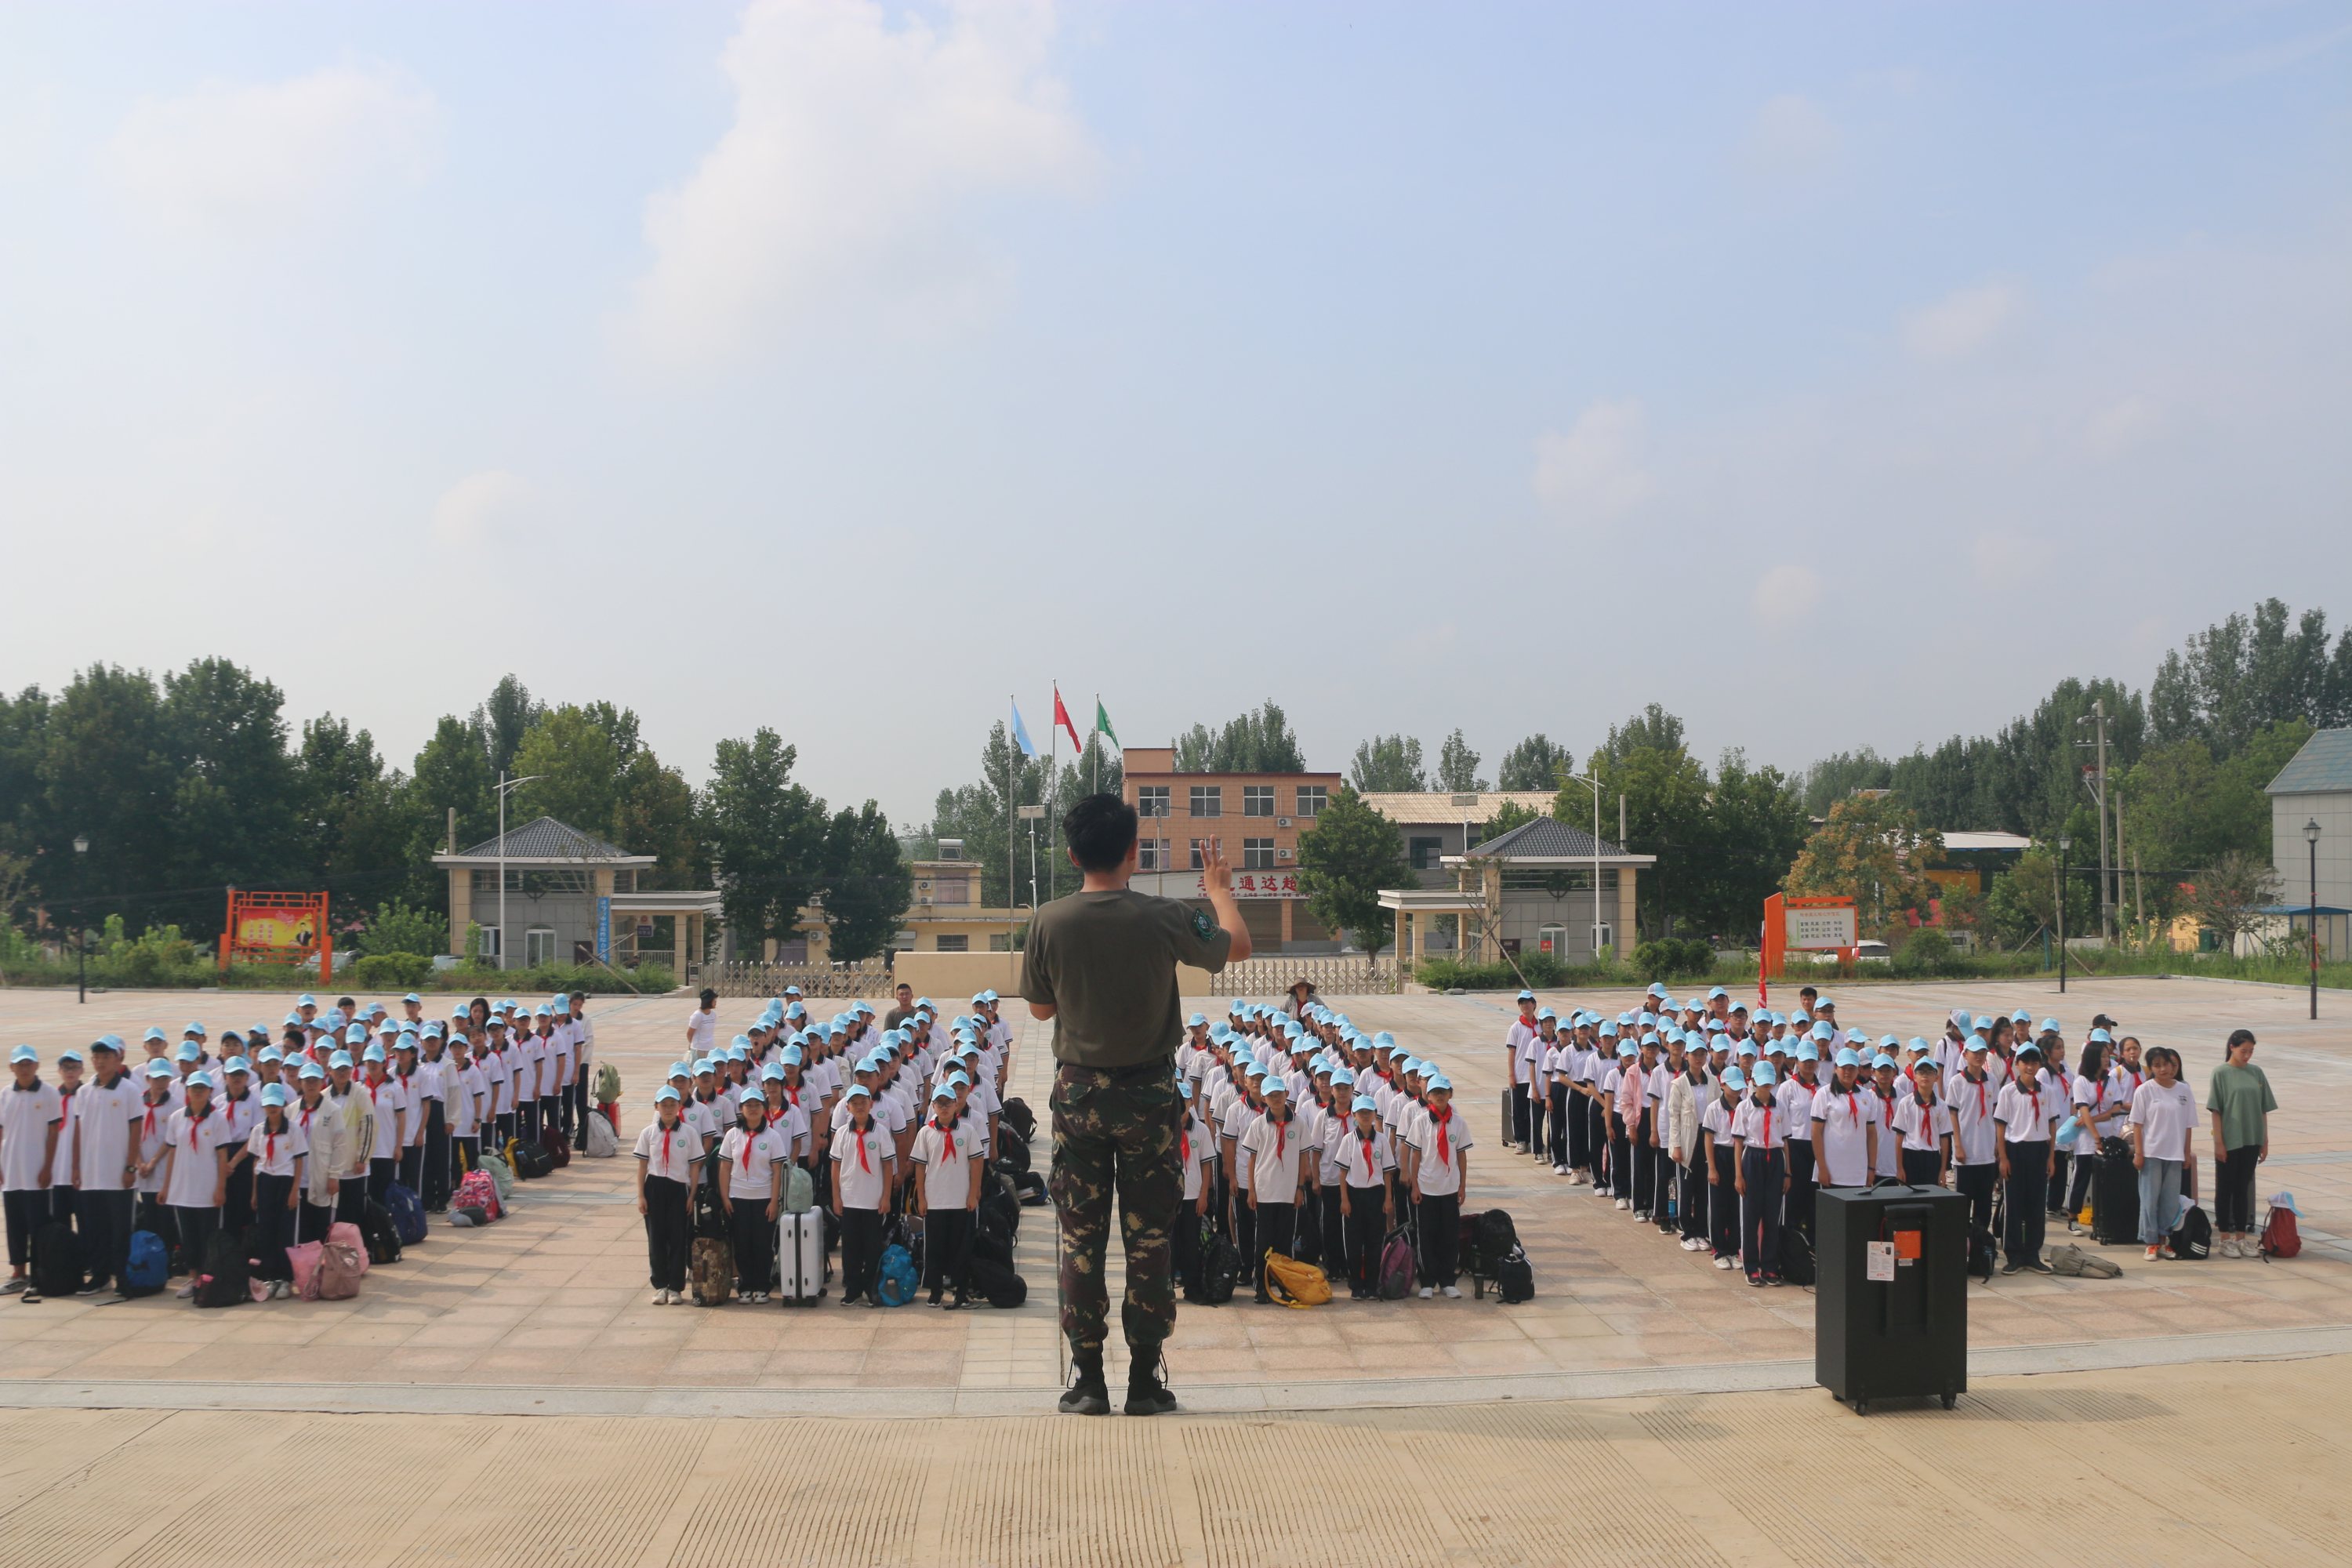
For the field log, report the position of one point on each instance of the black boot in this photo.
(1087, 1394)
(1147, 1382)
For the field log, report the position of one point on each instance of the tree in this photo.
(767, 837)
(453, 770)
(980, 814)
(2023, 900)
(1257, 743)
(2246, 673)
(399, 927)
(2226, 896)
(1665, 793)
(1653, 729)
(1838, 775)
(504, 718)
(1534, 763)
(1354, 853)
(867, 885)
(1507, 816)
(1751, 827)
(574, 764)
(1869, 850)
(1387, 765)
(1457, 765)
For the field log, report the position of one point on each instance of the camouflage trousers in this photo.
(1116, 1128)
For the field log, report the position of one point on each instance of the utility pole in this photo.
(2097, 785)
(2063, 842)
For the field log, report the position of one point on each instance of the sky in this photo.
(1833, 374)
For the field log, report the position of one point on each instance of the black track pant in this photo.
(1366, 1232)
(1760, 1212)
(2028, 1182)
(103, 1218)
(946, 1250)
(435, 1190)
(1723, 1204)
(669, 1224)
(197, 1228)
(861, 1252)
(273, 1224)
(1440, 1223)
(1691, 1206)
(754, 1235)
(1800, 1207)
(1976, 1183)
(1277, 1225)
(1921, 1167)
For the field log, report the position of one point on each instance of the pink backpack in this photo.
(337, 1277)
(478, 1191)
(304, 1259)
(343, 1233)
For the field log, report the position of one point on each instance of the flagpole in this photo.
(1053, 785)
(1011, 864)
(1096, 742)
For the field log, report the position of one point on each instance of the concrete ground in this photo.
(1644, 1407)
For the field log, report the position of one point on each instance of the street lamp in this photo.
(2311, 837)
(82, 936)
(2064, 842)
(506, 785)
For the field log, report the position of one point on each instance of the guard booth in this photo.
(1890, 1294)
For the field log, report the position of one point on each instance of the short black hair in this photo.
(1099, 830)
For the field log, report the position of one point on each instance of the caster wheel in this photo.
(1862, 1407)
(1950, 1400)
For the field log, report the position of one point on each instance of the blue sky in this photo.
(1831, 375)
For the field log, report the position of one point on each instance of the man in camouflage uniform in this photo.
(1101, 963)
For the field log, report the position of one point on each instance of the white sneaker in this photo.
(661, 1298)
(1576, 1178)
(1641, 1215)
(1454, 1292)
(1722, 1262)
(188, 1290)
(1692, 1243)
(1559, 1169)
(2151, 1255)
(1624, 1203)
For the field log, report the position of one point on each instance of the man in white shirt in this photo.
(1441, 1173)
(2028, 1112)
(1279, 1150)
(1515, 1041)
(583, 1061)
(32, 1118)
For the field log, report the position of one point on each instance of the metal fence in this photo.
(1354, 974)
(870, 979)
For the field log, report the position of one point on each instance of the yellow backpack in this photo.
(1296, 1284)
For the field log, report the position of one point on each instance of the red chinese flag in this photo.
(1062, 716)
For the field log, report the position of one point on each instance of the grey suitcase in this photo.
(800, 1258)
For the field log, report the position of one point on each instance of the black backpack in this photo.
(1212, 1281)
(1796, 1256)
(1013, 1157)
(383, 1242)
(1513, 1279)
(996, 1249)
(531, 1161)
(1496, 1238)
(56, 1260)
(2193, 1237)
(227, 1280)
(998, 1283)
(1015, 1113)
(998, 1216)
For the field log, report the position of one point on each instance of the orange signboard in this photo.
(277, 927)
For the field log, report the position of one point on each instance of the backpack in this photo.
(998, 1283)
(148, 1268)
(604, 1143)
(407, 1213)
(1013, 1157)
(343, 1233)
(994, 1248)
(1496, 1238)
(897, 1285)
(56, 1260)
(1796, 1256)
(478, 1192)
(709, 1219)
(800, 1190)
(1396, 1267)
(710, 1265)
(337, 1277)
(2193, 1237)
(2282, 1238)
(1296, 1284)
(1032, 1187)
(1015, 1113)
(999, 1217)
(1212, 1284)
(558, 1147)
(1515, 1279)
(531, 1160)
(376, 1231)
(501, 1176)
(2074, 1263)
(225, 1281)
(606, 1090)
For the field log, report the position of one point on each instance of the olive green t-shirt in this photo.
(1107, 963)
(2243, 1095)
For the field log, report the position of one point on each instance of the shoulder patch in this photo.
(1202, 926)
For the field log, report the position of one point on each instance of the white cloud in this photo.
(858, 150)
(1960, 323)
(2119, 427)
(481, 509)
(1595, 468)
(228, 158)
(1790, 137)
(1784, 592)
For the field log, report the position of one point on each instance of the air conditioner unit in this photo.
(1282, 853)
(1282, 822)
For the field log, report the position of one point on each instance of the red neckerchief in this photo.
(1184, 1143)
(863, 1163)
(268, 1146)
(750, 1137)
(1768, 1124)
(665, 1158)
(1366, 1139)
(947, 1138)
(147, 1124)
(1444, 1150)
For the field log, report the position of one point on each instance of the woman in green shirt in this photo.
(2240, 1102)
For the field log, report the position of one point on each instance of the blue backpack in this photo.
(407, 1214)
(898, 1284)
(148, 1266)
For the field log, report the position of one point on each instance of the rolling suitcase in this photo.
(800, 1258)
(2115, 1197)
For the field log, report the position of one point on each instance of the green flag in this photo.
(1102, 723)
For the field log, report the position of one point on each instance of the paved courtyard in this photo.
(549, 1310)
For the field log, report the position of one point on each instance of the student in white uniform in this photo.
(388, 1104)
(277, 1148)
(668, 1155)
(946, 1192)
(61, 1162)
(1279, 1150)
(31, 1118)
(1196, 1153)
(194, 1173)
(1441, 1175)
(1364, 1155)
(1758, 1131)
(749, 1190)
(1845, 1128)
(1922, 1122)
(2028, 1112)
(862, 1156)
(103, 1165)
(2164, 1150)
(702, 1026)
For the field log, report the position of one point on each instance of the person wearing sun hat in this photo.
(2028, 1112)
(194, 1173)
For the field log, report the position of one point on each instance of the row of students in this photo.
(1695, 1117)
(1304, 1134)
(272, 1148)
(907, 1127)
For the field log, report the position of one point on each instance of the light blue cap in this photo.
(108, 1042)
(340, 1059)
(1527, 995)
(1823, 1032)
(372, 1054)
(1849, 1058)
(957, 1080)
(748, 1095)
(1440, 1081)
(1744, 1049)
(2049, 1027)
(1609, 1029)
(1889, 1043)
(188, 1052)
(942, 1093)
(1926, 1064)
(857, 1091)
(773, 1073)
(27, 1054)
(306, 1000)
(355, 1035)
(1544, 1012)
(1919, 1043)
(793, 1055)
(154, 1068)
(1807, 1052)
(436, 1030)
(270, 1054)
(1763, 1077)
(1628, 1049)
(273, 1094)
(738, 1053)
(1343, 1078)
(237, 1064)
(407, 1041)
(311, 1069)
(1822, 1002)
(703, 1065)
(1196, 1021)
(740, 1043)
(679, 1069)
(200, 1080)
(1882, 1061)
(1734, 1078)
(1800, 1019)
(2103, 1038)
(154, 1032)
(2021, 1016)
(1982, 1024)
(1718, 991)
(667, 1091)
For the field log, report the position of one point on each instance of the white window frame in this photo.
(1257, 800)
(538, 939)
(1152, 800)
(1312, 799)
(1257, 854)
(1209, 795)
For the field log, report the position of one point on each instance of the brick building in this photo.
(1258, 817)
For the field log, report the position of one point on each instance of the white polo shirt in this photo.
(945, 1156)
(195, 1174)
(1973, 1129)
(862, 1183)
(2167, 1119)
(1365, 1161)
(751, 1159)
(1277, 1151)
(1440, 1176)
(274, 1153)
(669, 1154)
(26, 1117)
(104, 1130)
(1922, 1127)
(2026, 1116)
(1841, 1136)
